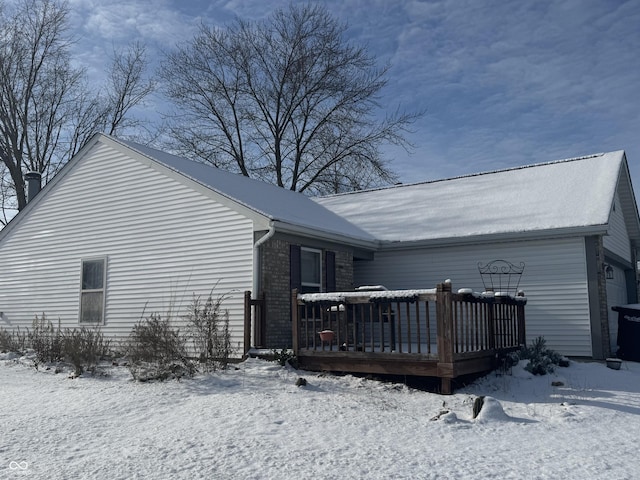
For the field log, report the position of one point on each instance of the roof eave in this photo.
(497, 237)
(285, 227)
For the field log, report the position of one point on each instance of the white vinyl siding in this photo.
(165, 242)
(554, 281)
(617, 241)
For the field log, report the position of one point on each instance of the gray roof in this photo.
(574, 195)
(566, 197)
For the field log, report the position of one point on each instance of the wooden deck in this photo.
(429, 333)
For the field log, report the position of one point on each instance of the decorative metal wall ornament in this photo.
(501, 276)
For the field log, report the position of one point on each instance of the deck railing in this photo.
(434, 322)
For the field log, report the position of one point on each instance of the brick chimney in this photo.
(33, 180)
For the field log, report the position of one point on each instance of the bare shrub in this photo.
(13, 341)
(6, 341)
(157, 351)
(46, 341)
(84, 348)
(209, 332)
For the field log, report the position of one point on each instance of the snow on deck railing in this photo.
(377, 295)
(488, 294)
(395, 295)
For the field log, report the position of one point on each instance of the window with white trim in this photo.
(92, 290)
(310, 270)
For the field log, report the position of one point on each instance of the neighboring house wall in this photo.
(554, 281)
(619, 256)
(163, 241)
(276, 284)
(616, 295)
(617, 241)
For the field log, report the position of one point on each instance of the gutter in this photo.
(546, 234)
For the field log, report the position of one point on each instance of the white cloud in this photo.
(155, 21)
(519, 82)
(503, 83)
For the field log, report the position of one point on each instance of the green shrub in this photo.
(542, 360)
(285, 356)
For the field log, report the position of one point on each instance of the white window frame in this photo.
(311, 285)
(102, 290)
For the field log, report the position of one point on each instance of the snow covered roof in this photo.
(566, 195)
(278, 204)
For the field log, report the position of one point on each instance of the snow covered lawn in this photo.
(255, 423)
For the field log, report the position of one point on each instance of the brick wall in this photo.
(344, 271)
(275, 284)
(274, 278)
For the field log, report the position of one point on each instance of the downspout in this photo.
(257, 265)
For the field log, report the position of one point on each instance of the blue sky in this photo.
(503, 83)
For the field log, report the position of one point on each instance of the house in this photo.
(124, 231)
(572, 223)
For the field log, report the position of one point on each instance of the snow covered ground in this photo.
(255, 423)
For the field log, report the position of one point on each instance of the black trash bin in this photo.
(628, 331)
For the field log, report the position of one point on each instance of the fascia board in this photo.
(498, 238)
(334, 237)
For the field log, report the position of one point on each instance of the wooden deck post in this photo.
(445, 386)
(247, 323)
(295, 314)
(444, 318)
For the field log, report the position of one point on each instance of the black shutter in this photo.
(295, 275)
(330, 271)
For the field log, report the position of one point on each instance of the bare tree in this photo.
(126, 87)
(287, 100)
(8, 204)
(35, 78)
(47, 110)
